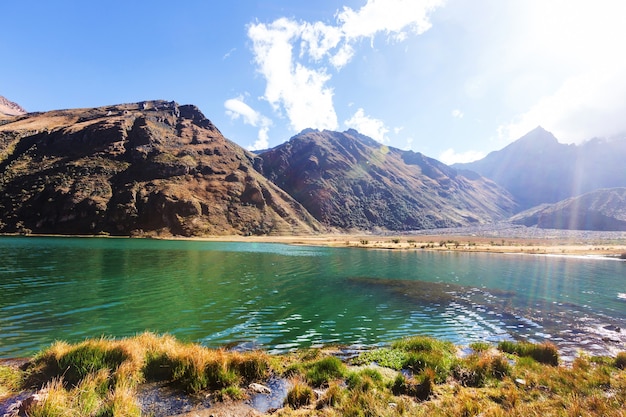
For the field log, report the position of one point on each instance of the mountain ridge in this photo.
(537, 169)
(147, 168)
(349, 181)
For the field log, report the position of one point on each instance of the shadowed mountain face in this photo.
(538, 169)
(136, 169)
(603, 209)
(349, 181)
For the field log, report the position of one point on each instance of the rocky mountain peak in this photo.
(147, 168)
(9, 108)
(349, 181)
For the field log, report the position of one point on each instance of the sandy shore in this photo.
(594, 245)
(495, 238)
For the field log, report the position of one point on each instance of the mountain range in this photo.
(156, 168)
(537, 169)
(603, 209)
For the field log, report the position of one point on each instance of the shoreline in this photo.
(592, 248)
(507, 240)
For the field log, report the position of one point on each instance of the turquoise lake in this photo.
(280, 297)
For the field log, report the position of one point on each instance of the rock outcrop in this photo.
(150, 168)
(351, 182)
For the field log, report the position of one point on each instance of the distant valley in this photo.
(157, 168)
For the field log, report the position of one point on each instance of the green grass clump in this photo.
(325, 370)
(364, 380)
(415, 354)
(90, 398)
(386, 357)
(480, 346)
(546, 353)
(428, 353)
(74, 363)
(423, 344)
(231, 393)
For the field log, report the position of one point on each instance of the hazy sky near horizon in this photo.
(453, 79)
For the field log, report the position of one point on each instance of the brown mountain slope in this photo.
(142, 169)
(350, 181)
(603, 209)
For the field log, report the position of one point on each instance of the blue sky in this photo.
(453, 79)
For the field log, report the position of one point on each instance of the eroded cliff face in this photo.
(349, 181)
(150, 168)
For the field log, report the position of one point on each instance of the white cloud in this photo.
(229, 53)
(393, 17)
(236, 108)
(558, 64)
(263, 140)
(450, 156)
(457, 114)
(587, 105)
(298, 90)
(368, 126)
(294, 57)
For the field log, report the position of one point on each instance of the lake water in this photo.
(280, 297)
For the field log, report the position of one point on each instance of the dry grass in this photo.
(572, 246)
(10, 381)
(99, 378)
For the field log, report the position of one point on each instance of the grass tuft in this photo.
(480, 346)
(11, 381)
(421, 388)
(620, 360)
(365, 380)
(478, 368)
(423, 344)
(546, 352)
(300, 395)
(334, 396)
(325, 370)
(230, 393)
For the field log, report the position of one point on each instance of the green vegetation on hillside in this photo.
(418, 376)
